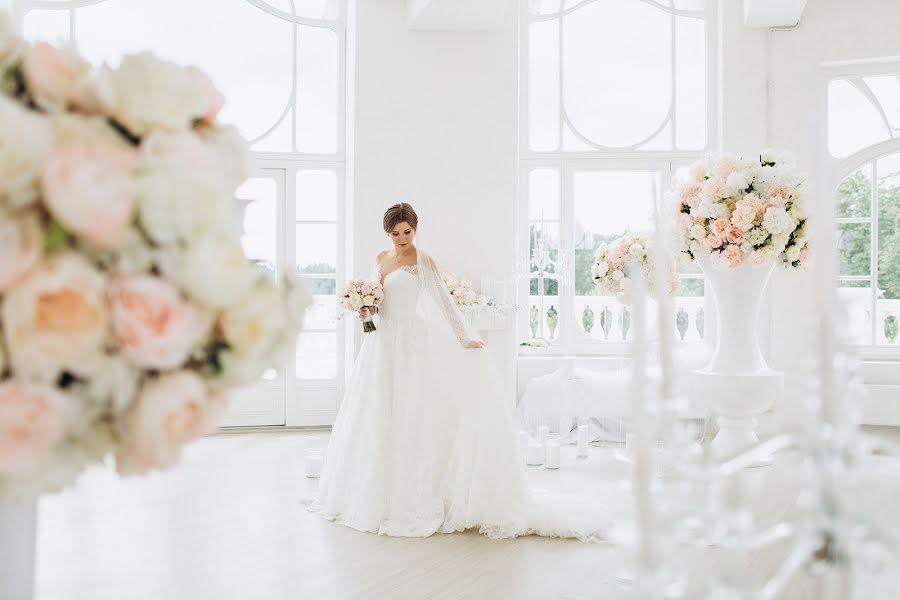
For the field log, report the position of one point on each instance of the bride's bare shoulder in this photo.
(381, 256)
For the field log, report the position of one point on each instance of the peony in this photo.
(734, 256)
(146, 93)
(777, 221)
(155, 328)
(33, 420)
(90, 190)
(56, 319)
(57, 80)
(21, 241)
(25, 143)
(232, 153)
(212, 269)
(169, 412)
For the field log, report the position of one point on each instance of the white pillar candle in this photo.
(583, 441)
(543, 433)
(551, 460)
(535, 454)
(662, 275)
(313, 460)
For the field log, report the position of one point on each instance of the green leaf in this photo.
(57, 237)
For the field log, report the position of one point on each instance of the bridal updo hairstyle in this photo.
(399, 213)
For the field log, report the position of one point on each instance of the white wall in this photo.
(831, 30)
(435, 126)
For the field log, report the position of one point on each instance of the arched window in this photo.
(617, 96)
(864, 132)
(280, 65)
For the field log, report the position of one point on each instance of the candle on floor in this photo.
(313, 460)
(551, 461)
(535, 454)
(583, 440)
(543, 433)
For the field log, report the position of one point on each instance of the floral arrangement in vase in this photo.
(737, 211)
(613, 262)
(461, 290)
(128, 308)
(359, 294)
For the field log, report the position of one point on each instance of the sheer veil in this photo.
(436, 305)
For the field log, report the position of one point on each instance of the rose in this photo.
(734, 236)
(715, 241)
(697, 231)
(57, 80)
(170, 411)
(706, 246)
(734, 256)
(721, 227)
(155, 328)
(146, 93)
(617, 275)
(56, 319)
(89, 189)
(21, 240)
(636, 250)
(602, 268)
(32, 421)
(25, 143)
(212, 269)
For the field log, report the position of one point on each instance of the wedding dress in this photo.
(423, 442)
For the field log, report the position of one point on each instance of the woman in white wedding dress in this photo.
(423, 442)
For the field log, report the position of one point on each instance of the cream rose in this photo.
(21, 241)
(211, 269)
(146, 93)
(32, 421)
(154, 327)
(25, 144)
(214, 100)
(56, 318)
(89, 188)
(57, 80)
(170, 411)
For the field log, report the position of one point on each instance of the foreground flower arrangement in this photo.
(127, 307)
(461, 290)
(735, 211)
(613, 264)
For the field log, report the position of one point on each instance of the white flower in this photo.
(356, 302)
(697, 231)
(737, 182)
(617, 275)
(768, 156)
(793, 253)
(636, 250)
(685, 258)
(697, 171)
(145, 92)
(746, 247)
(757, 236)
(602, 269)
(797, 211)
(368, 301)
(233, 154)
(212, 269)
(25, 143)
(777, 221)
(780, 241)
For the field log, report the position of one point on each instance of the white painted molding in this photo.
(881, 405)
(765, 14)
(455, 15)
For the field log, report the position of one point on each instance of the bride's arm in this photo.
(463, 332)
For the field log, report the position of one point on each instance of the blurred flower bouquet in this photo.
(127, 307)
(613, 264)
(461, 290)
(359, 294)
(736, 210)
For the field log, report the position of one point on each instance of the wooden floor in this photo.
(229, 524)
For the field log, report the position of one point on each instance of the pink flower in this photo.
(726, 165)
(58, 80)
(706, 246)
(778, 193)
(21, 241)
(690, 194)
(684, 220)
(733, 256)
(32, 422)
(734, 236)
(805, 256)
(155, 328)
(170, 411)
(89, 189)
(714, 241)
(715, 189)
(214, 99)
(721, 227)
(760, 257)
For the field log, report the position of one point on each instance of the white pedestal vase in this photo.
(18, 531)
(737, 383)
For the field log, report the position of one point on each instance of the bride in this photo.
(423, 442)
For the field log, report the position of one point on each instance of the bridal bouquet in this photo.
(127, 307)
(737, 211)
(461, 290)
(359, 294)
(613, 264)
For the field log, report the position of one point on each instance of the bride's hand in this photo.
(474, 345)
(365, 314)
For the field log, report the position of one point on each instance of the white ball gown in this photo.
(423, 442)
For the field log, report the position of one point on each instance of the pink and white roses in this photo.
(461, 290)
(613, 266)
(748, 211)
(359, 294)
(127, 306)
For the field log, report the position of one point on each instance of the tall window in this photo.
(617, 96)
(864, 134)
(280, 66)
